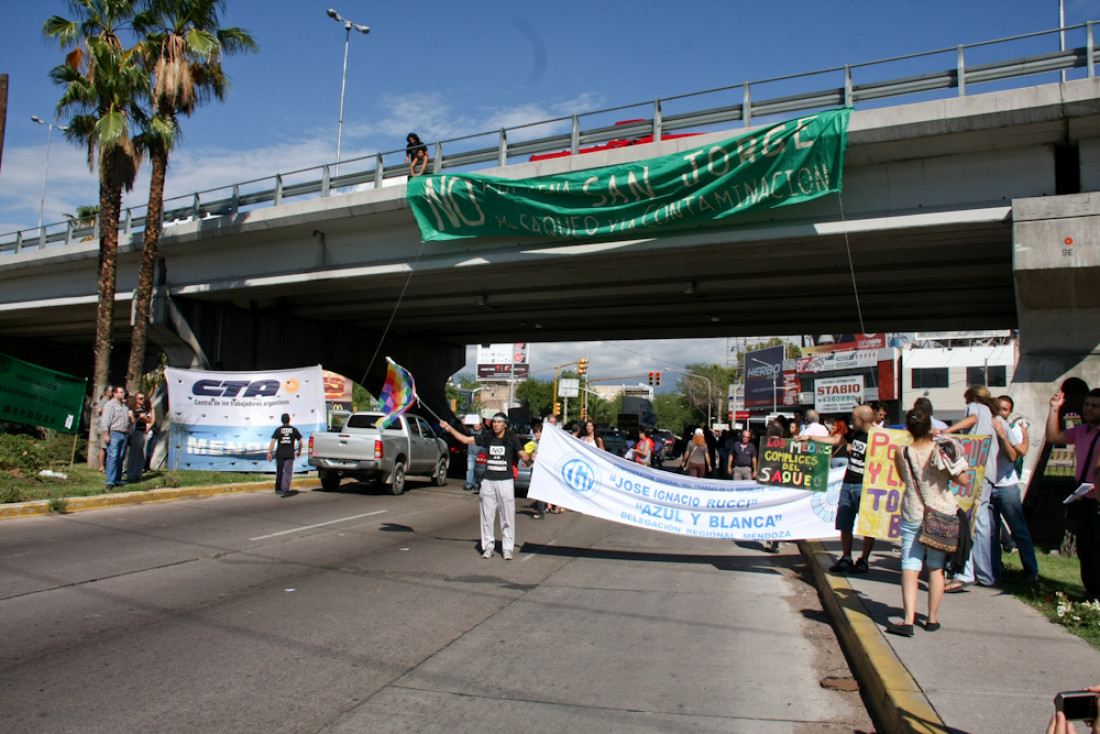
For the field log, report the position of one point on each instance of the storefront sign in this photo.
(838, 394)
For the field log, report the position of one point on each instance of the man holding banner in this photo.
(498, 489)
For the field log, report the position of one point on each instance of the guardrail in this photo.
(495, 148)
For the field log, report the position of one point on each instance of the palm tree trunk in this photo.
(159, 160)
(110, 204)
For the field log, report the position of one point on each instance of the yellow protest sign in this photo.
(880, 503)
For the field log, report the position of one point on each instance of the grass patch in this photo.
(1057, 575)
(85, 481)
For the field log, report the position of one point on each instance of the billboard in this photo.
(823, 343)
(502, 360)
(763, 376)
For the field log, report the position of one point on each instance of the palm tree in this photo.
(83, 219)
(183, 48)
(102, 85)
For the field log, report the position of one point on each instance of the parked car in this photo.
(666, 440)
(408, 446)
(614, 443)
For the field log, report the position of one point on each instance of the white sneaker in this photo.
(488, 553)
(507, 555)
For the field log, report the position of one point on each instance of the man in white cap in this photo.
(498, 488)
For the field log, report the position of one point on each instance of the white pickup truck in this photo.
(407, 447)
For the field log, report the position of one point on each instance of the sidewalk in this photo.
(994, 666)
(164, 494)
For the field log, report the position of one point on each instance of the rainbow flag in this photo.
(398, 394)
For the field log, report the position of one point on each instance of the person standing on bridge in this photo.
(286, 442)
(416, 155)
(498, 488)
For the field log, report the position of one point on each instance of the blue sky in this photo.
(446, 69)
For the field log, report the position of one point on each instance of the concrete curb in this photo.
(167, 494)
(898, 702)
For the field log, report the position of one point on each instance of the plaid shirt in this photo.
(116, 417)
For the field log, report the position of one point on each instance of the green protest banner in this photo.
(40, 397)
(798, 464)
(780, 165)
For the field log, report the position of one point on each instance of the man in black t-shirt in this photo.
(286, 443)
(863, 419)
(498, 489)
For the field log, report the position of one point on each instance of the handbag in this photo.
(939, 530)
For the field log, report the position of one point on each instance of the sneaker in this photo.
(861, 566)
(771, 546)
(507, 555)
(487, 554)
(844, 565)
(902, 630)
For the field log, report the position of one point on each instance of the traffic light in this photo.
(582, 366)
(584, 412)
(650, 378)
(557, 408)
(658, 378)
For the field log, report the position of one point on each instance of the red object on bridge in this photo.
(613, 143)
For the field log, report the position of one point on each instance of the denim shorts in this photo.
(847, 506)
(913, 554)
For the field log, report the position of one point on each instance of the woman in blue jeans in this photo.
(926, 484)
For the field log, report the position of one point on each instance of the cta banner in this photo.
(223, 421)
(787, 163)
(880, 501)
(577, 475)
(37, 396)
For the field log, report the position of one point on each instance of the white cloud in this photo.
(433, 115)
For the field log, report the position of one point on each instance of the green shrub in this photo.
(22, 455)
(60, 505)
(11, 494)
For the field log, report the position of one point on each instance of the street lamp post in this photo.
(46, 168)
(774, 371)
(348, 25)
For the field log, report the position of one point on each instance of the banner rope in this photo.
(393, 314)
(852, 271)
(851, 264)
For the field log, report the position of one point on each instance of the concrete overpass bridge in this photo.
(971, 212)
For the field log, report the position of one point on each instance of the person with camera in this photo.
(1075, 705)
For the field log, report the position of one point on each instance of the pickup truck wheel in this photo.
(397, 484)
(440, 476)
(330, 481)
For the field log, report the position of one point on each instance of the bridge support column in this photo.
(1056, 264)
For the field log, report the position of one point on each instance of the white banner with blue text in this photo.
(223, 421)
(581, 477)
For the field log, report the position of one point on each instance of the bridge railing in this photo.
(852, 85)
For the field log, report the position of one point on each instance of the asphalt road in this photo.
(360, 612)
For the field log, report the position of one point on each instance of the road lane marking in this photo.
(318, 525)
